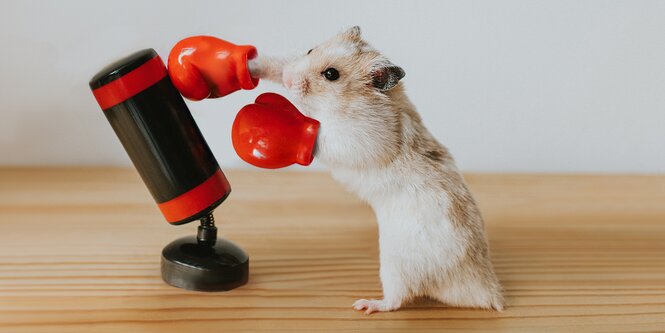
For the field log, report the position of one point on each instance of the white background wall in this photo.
(542, 86)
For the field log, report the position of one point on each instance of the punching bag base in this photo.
(191, 264)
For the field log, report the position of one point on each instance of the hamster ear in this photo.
(353, 32)
(387, 76)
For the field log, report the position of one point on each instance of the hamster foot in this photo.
(374, 305)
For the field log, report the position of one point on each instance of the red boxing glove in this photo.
(208, 67)
(272, 133)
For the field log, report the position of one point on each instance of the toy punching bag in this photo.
(161, 138)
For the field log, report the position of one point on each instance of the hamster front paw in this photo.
(266, 67)
(375, 305)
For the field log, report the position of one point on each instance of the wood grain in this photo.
(80, 248)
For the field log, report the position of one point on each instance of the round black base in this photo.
(204, 266)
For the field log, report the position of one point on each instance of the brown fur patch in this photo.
(434, 155)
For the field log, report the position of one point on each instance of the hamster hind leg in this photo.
(470, 291)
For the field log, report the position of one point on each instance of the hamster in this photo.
(431, 234)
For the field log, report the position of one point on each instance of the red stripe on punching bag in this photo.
(197, 199)
(130, 84)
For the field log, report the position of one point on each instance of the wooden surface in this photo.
(80, 249)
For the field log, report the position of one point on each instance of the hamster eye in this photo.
(331, 74)
(310, 51)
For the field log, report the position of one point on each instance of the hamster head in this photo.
(352, 90)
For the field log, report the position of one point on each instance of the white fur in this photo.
(416, 239)
(341, 50)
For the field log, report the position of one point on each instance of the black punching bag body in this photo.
(161, 138)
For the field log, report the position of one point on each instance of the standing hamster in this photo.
(431, 234)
